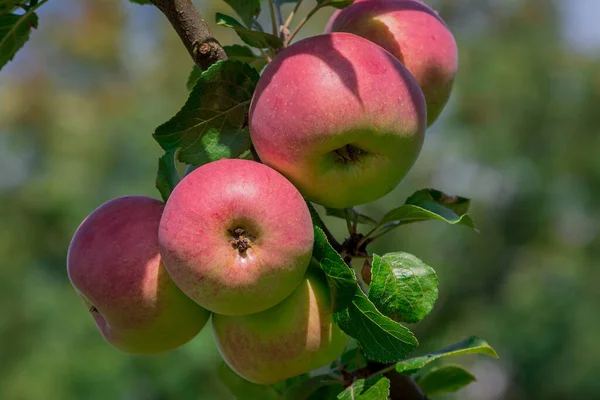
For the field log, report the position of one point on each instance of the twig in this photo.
(349, 224)
(281, 33)
(331, 239)
(402, 387)
(290, 18)
(265, 55)
(304, 21)
(193, 31)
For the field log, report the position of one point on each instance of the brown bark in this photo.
(187, 21)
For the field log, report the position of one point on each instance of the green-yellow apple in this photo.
(340, 117)
(413, 33)
(294, 337)
(236, 236)
(114, 264)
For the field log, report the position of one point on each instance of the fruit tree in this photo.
(276, 133)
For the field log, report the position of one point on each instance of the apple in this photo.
(236, 236)
(413, 33)
(294, 337)
(340, 117)
(114, 264)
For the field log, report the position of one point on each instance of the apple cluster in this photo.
(337, 119)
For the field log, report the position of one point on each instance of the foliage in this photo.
(211, 125)
(367, 389)
(15, 27)
(504, 274)
(449, 378)
(468, 346)
(403, 288)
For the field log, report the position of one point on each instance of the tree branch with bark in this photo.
(194, 32)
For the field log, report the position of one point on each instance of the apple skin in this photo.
(114, 264)
(340, 117)
(236, 273)
(415, 34)
(292, 338)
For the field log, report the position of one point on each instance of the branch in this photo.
(304, 21)
(193, 31)
(402, 387)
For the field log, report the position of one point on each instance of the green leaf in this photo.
(245, 54)
(314, 215)
(260, 40)
(340, 278)
(308, 388)
(403, 287)
(167, 177)
(426, 205)
(322, 249)
(236, 53)
(460, 205)
(7, 6)
(376, 388)
(193, 78)
(219, 145)
(212, 123)
(381, 339)
(242, 389)
(248, 10)
(14, 32)
(142, 2)
(352, 359)
(471, 345)
(409, 213)
(446, 379)
(341, 213)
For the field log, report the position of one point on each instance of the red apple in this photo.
(413, 33)
(236, 236)
(114, 264)
(340, 117)
(292, 338)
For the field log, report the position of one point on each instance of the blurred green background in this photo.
(521, 137)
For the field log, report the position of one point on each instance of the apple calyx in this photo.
(241, 240)
(348, 153)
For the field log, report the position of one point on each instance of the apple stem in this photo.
(265, 55)
(330, 238)
(303, 22)
(349, 223)
(286, 27)
(279, 17)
